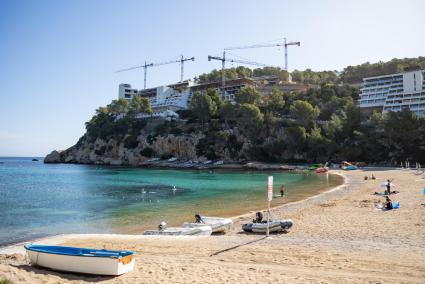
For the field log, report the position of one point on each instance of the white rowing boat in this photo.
(218, 224)
(81, 260)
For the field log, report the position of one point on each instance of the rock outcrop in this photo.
(53, 157)
(113, 152)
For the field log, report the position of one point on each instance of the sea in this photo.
(38, 200)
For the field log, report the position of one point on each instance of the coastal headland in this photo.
(338, 237)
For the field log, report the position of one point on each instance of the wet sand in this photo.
(338, 237)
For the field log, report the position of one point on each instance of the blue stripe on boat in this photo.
(78, 251)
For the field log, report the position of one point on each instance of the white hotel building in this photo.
(166, 100)
(394, 92)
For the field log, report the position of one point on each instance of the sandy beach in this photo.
(338, 237)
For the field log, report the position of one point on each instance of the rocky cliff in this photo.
(114, 151)
(136, 148)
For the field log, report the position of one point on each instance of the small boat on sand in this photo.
(217, 224)
(81, 260)
(204, 230)
(260, 226)
(322, 170)
(274, 226)
(348, 166)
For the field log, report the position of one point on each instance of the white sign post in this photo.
(269, 199)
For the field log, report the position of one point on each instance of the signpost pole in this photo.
(269, 198)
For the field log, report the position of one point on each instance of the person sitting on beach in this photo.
(366, 178)
(373, 177)
(162, 226)
(198, 218)
(388, 205)
(282, 190)
(258, 217)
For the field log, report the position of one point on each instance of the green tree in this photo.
(276, 102)
(120, 106)
(250, 118)
(228, 112)
(304, 112)
(215, 96)
(316, 144)
(203, 107)
(247, 95)
(141, 105)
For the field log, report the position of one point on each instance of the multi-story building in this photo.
(170, 98)
(125, 91)
(395, 92)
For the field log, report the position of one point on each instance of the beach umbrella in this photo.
(384, 184)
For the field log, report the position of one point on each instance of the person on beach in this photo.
(373, 177)
(388, 205)
(282, 190)
(388, 192)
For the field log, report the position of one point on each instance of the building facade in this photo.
(166, 100)
(394, 92)
(125, 91)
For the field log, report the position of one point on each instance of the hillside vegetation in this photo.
(350, 74)
(318, 125)
(321, 124)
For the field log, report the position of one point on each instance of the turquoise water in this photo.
(39, 199)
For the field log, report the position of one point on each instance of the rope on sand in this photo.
(237, 246)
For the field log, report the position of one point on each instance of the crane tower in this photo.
(145, 66)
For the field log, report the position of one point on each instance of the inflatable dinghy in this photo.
(217, 224)
(274, 226)
(204, 230)
(260, 226)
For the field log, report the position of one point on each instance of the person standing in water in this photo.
(282, 190)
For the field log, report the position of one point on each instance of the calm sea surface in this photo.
(39, 199)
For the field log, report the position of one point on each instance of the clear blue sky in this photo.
(57, 58)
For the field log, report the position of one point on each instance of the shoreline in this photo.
(163, 164)
(297, 202)
(11, 248)
(235, 208)
(338, 237)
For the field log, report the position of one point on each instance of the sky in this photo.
(58, 58)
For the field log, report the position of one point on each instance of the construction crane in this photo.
(223, 64)
(145, 66)
(284, 43)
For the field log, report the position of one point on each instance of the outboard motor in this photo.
(258, 217)
(198, 218)
(286, 224)
(162, 226)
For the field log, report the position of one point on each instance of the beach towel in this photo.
(381, 207)
(396, 205)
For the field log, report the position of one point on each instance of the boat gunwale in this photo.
(120, 254)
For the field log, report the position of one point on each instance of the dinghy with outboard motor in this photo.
(259, 225)
(81, 260)
(218, 225)
(204, 230)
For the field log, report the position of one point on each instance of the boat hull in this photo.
(181, 231)
(82, 264)
(218, 225)
(274, 226)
